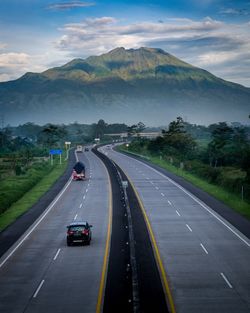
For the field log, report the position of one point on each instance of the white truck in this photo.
(79, 148)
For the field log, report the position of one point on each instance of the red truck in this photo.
(78, 171)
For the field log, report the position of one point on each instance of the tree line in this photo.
(224, 160)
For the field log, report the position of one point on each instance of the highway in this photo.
(40, 273)
(206, 259)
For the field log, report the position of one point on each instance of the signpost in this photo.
(67, 146)
(53, 152)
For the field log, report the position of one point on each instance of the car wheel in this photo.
(68, 243)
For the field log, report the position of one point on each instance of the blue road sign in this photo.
(55, 151)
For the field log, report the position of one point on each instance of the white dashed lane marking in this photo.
(226, 280)
(204, 248)
(189, 227)
(38, 289)
(55, 257)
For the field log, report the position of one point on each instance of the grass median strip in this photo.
(218, 192)
(32, 196)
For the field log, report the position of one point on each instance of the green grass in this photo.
(32, 196)
(218, 192)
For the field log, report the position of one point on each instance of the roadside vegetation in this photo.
(26, 172)
(215, 158)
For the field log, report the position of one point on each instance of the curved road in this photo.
(206, 259)
(43, 274)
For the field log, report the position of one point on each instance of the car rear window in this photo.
(77, 228)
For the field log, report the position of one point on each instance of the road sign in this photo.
(55, 151)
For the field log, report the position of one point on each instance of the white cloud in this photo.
(102, 34)
(234, 11)
(69, 5)
(212, 58)
(14, 65)
(13, 59)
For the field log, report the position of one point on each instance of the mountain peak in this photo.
(122, 50)
(123, 83)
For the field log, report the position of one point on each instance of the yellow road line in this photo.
(156, 252)
(106, 254)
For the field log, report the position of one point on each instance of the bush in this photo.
(13, 188)
(231, 179)
(202, 170)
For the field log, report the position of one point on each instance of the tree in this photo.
(135, 129)
(100, 129)
(139, 128)
(131, 130)
(5, 139)
(221, 140)
(176, 140)
(52, 135)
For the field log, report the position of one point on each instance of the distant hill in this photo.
(128, 86)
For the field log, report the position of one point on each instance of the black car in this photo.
(86, 149)
(79, 232)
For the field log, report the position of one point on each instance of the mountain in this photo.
(144, 84)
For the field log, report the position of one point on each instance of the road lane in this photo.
(200, 281)
(44, 275)
(133, 281)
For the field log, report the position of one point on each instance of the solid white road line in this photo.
(204, 248)
(55, 257)
(169, 202)
(226, 280)
(37, 223)
(38, 289)
(209, 210)
(189, 227)
(75, 217)
(162, 194)
(177, 213)
(76, 156)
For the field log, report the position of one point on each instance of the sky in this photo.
(39, 34)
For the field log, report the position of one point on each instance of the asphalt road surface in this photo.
(133, 280)
(205, 258)
(40, 273)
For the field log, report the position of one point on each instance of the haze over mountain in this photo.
(132, 85)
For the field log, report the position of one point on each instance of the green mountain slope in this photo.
(124, 85)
